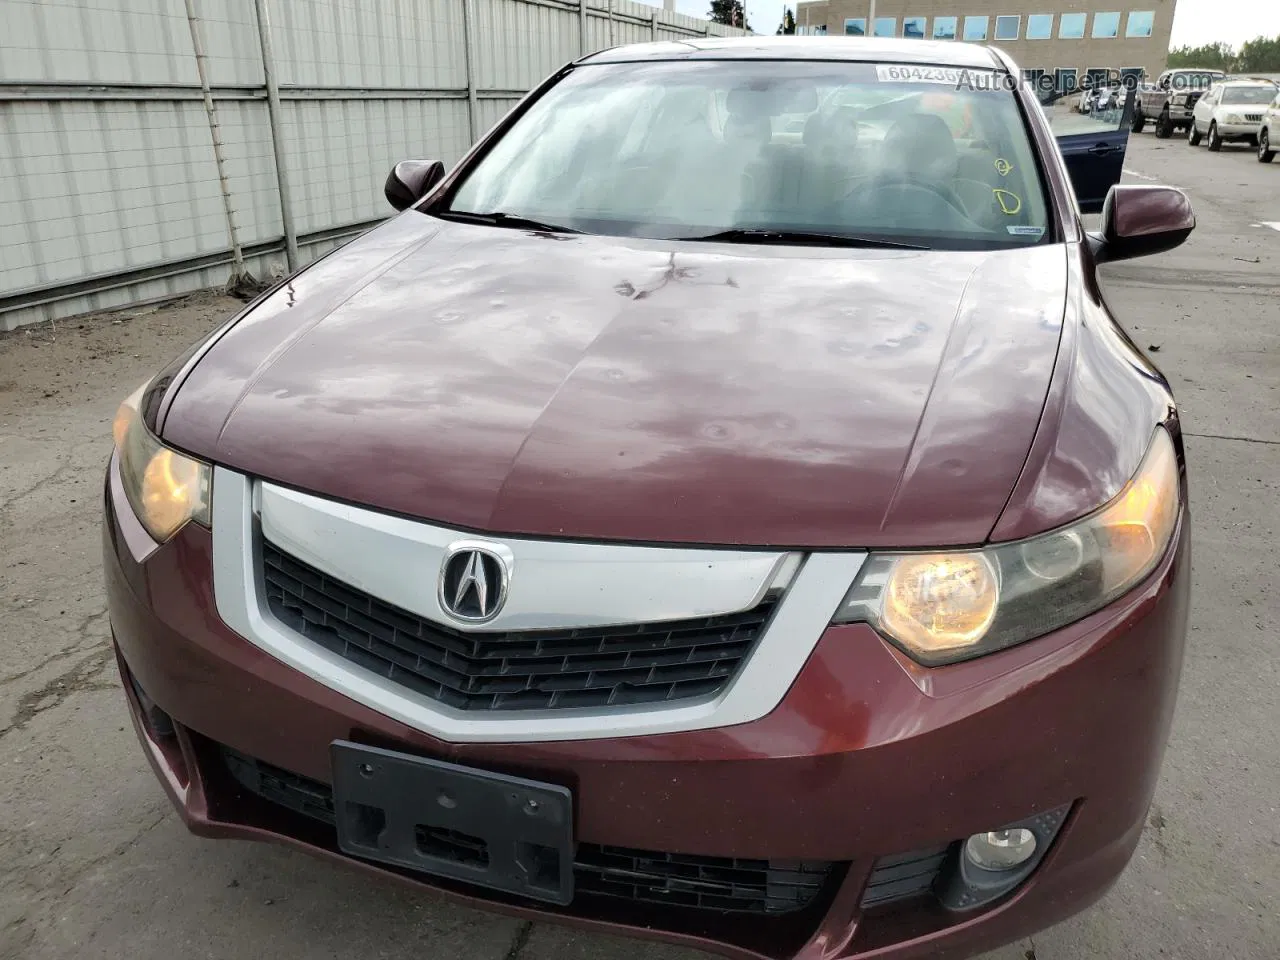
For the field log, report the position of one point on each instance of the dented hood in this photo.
(600, 388)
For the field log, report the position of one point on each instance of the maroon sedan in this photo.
(723, 508)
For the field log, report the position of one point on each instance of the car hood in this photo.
(598, 388)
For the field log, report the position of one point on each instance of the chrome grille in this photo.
(512, 670)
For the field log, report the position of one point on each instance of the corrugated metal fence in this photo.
(109, 189)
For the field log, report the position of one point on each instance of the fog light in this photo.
(1000, 849)
(993, 864)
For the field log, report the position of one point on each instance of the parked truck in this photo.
(1169, 103)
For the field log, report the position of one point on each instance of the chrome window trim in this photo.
(797, 624)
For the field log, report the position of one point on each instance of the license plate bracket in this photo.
(490, 829)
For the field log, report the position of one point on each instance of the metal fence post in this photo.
(653, 24)
(468, 59)
(582, 28)
(239, 274)
(274, 118)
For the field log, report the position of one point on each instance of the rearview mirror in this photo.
(411, 180)
(1138, 221)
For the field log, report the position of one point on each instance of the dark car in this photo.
(673, 525)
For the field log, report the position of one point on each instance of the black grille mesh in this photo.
(712, 883)
(903, 876)
(300, 794)
(521, 670)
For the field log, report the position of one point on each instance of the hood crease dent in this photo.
(601, 388)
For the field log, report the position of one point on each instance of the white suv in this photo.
(1269, 132)
(1231, 110)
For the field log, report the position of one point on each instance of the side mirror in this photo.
(411, 180)
(1138, 221)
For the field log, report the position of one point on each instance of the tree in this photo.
(788, 25)
(1211, 56)
(731, 13)
(1259, 55)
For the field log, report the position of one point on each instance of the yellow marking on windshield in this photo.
(1009, 202)
(1003, 167)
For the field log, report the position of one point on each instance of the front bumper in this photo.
(1239, 131)
(868, 756)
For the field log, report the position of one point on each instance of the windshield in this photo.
(1248, 94)
(683, 150)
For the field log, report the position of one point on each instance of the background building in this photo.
(1067, 39)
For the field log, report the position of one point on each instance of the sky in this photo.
(1195, 23)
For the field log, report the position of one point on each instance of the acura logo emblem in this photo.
(473, 581)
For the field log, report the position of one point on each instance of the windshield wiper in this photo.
(761, 235)
(499, 219)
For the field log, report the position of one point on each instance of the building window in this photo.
(913, 27)
(1008, 28)
(944, 28)
(886, 26)
(1106, 25)
(1066, 79)
(1096, 76)
(1071, 26)
(855, 27)
(1039, 83)
(1040, 26)
(1140, 23)
(975, 28)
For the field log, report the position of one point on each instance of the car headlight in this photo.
(1178, 99)
(164, 487)
(1233, 118)
(946, 606)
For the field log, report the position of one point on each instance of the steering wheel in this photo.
(943, 193)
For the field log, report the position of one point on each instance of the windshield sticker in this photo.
(1009, 202)
(1026, 231)
(960, 78)
(1003, 167)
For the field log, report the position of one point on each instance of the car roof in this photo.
(1245, 83)
(866, 49)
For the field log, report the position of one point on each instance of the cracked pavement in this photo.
(96, 865)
